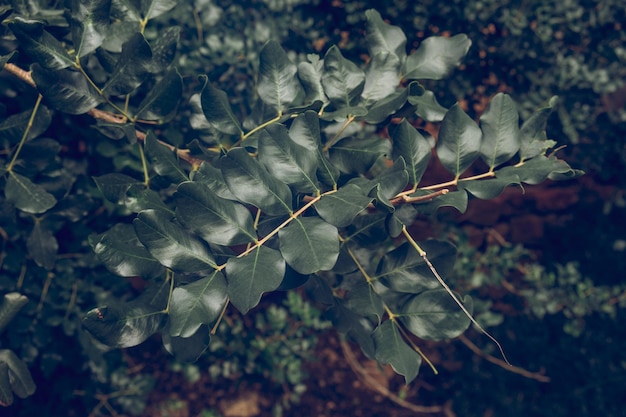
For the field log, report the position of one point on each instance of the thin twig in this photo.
(512, 368)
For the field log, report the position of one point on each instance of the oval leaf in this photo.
(278, 85)
(216, 109)
(162, 99)
(409, 144)
(132, 67)
(343, 81)
(500, 127)
(309, 245)
(383, 37)
(42, 246)
(26, 196)
(392, 349)
(66, 90)
(340, 208)
(459, 141)
(41, 46)
(436, 57)
(163, 160)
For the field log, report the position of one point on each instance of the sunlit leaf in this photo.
(170, 244)
(436, 57)
(27, 196)
(434, 315)
(392, 349)
(383, 37)
(459, 141)
(214, 219)
(197, 303)
(250, 276)
(252, 184)
(309, 245)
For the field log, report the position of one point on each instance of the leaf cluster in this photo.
(303, 191)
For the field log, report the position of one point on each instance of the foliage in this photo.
(212, 208)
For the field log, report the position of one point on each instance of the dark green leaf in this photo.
(114, 186)
(119, 33)
(6, 393)
(382, 77)
(533, 139)
(390, 182)
(163, 160)
(310, 75)
(4, 59)
(195, 304)
(11, 304)
(216, 220)
(212, 178)
(250, 276)
(118, 131)
(341, 207)
(170, 244)
(436, 57)
(125, 10)
(343, 81)
(536, 170)
(382, 37)
(392, 349)
(12, 128)
(131, 68)
(326, 171)
(139, 198)
(286, 160)
(26, 196)
(89, 24)
(155, 8)
(428, 108)
(459, 141)
(188, 349)
(490, 188)
(363, 299)
(129, 324)
(42, 246)
(305, 131)
(278, 85)
(409, 144)
(41, 46)
(162, 100)
(121, 252)
(66, 90)
(357, 155)
(404, 270)
(164, 49)
(355, 326)
(217, 111)
(292, 280)
(456, 199)
(20, 380)
(434, 315)
(500, 127)
(387, 107)
(252, 184)
(309, 245)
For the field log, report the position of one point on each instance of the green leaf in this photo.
(212, 178)
(357, 155)
(391, 181)
(490, 188)
(162, 100)
(382, 77)
(170, 244)
(250, 276)
(342, 79)
(20, 380)
(66, 90)
(4, 59)
(139, 198)
(216, 109)
(310, 75)
(39, 45)
(278, 85)
(434, 315)
(436, 57)
(129, 324)
(188, 349)
(309, 245)
(286, 160)
(163, 160)
(382, 37)
(305, 131)
(125, 10)
(132, 67)
(341, 207)
(533, 139)
(6, 393)
(252, 184)
(500, 127)
(114, 186)
(195, 304)
(89, 24)
(409, 144)
(12, 128)
(42, 246)
(536, 170)
(155, 8)
(26, 196)
(428, 108)
(364, 300)
(11, 304)
(164, 49)
(214, 219)
(392, 349)
(404, 270)
(355, 326)
(459, 141)
(121, 252)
